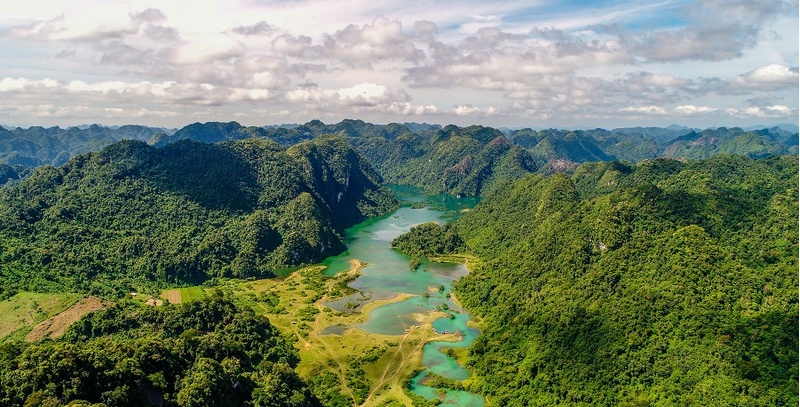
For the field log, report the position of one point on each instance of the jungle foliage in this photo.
(134, 216)
(662, 283)
(204, 353)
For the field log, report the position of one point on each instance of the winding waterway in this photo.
(387, 275)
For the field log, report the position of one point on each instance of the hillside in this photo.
(663, 283)
(451, 159)
(134, 216)
(642, 143)
(209, 353)
(37, 146)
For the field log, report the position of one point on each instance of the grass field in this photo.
(365, 369)
(359, 368)
(186, 294)
(192, 294)
(20, 313)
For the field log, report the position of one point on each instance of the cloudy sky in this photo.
(539, 63)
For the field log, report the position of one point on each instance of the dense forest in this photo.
(37, 146)
(465, 161)
(133, 216)
(206, 353)
(662, 283)
(633, 267)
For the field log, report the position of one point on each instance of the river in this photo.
(387, 275)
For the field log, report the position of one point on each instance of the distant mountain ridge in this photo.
(451, 159)
(37, 146)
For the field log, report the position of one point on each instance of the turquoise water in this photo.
(387, 275)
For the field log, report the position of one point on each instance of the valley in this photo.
(366, 347)
(295, 275)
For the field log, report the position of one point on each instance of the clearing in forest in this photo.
(56, 325)
(25, 309)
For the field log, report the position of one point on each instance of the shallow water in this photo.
(387, 275)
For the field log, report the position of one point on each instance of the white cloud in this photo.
(623, 61)
(772, 76)
(206, 49)
(689, 110)
(363, 94)
(650, 110)
(408, 109)
(469, 110)
(765, 112)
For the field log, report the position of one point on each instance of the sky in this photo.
(529, 63)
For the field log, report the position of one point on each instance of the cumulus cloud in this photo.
(363, 94)
(772, 76)
(470, 110)
(361, 46)
(83, 24)
(649, 110)
(145, 92)
(259, 28)
(765, 112)
(601, 63)
(690, 110)
(205, 50)
(736, 27)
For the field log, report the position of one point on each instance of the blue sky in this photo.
(500, 63)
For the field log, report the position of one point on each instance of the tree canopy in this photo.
(663, 283)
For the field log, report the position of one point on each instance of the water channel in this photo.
(387, 275)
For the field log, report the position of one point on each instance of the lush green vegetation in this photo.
(644, 281)
(642, 143)
(8, 173)
(133, 216)
(204, 353)
(454, 160)
(664, 283)
(429, 239)
(36, 145)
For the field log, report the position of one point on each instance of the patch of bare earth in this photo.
(173, 296)
(56, 325)
(154, 301)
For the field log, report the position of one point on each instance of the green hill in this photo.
(206, 353)
(664, 283)
(453, 160)
(37, 146)
(135, 216)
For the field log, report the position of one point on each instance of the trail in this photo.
(342, 372)
(386, 370)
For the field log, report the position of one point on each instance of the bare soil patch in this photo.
(56, 325)
(173, 296)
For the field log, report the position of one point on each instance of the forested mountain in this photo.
(8, 173)
(206, 353)
(661, 283)
(454, 160)
(468, 160)
(133, 215)
(37, 146)
(641, 143)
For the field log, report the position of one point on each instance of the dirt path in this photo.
(389, 365)
(342, 369)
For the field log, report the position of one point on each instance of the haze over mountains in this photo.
(458, 160)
